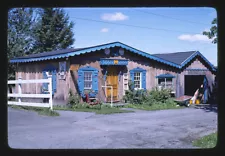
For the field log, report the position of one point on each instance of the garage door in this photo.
(192, 83)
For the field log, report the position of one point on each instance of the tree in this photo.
(19, 41)
(212, 34)
(53, 30)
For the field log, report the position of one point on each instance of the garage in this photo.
(192, 83)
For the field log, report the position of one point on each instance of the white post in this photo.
(19, 90)
(165, 83)
(111, 95)
(50, 91)
(105, 92)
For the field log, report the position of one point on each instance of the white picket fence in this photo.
(20, 95)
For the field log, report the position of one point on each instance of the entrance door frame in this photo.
(109, 70)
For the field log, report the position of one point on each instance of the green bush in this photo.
(73, 99)
(86, 105)
(98, 106)
(105, 106)
(160, 95)
(155, 96)
(135, 96)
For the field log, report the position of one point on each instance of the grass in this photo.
(102, 110)
(154, 106)
(208, 141)
(39, 110)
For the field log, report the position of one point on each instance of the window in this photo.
(137, 80)
(138, 77)
(165, 82)
(87, 80)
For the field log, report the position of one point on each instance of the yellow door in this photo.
(112, 80)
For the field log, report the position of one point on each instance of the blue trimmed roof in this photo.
(72, 52)
(167, 75)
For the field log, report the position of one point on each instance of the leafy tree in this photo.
(19, 41)
(212, 34)
(53, 30)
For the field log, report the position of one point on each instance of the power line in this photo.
(147, 12)
(129, 25)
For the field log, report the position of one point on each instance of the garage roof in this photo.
(177, 57)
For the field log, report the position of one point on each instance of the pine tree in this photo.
(53, 30)
(212, 34)
(19, 41)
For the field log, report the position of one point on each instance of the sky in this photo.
(152, 30)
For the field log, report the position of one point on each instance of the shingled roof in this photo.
(48, 53)
(177, 57)
(177, 60)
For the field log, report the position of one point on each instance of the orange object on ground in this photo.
(197, 101)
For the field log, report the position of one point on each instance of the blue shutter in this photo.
(143, 81)
(80, 81)
(95, 81)
(132, 75)
(132, 79)
(205, 88)
(54, 84)
(44, 85)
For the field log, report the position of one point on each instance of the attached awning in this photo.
(117, 62)
(165, 76)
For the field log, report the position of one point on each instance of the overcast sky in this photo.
(153, 30)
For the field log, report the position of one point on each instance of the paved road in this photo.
(141, 129)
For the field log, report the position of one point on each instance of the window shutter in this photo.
(80, 81)
(143, 81)
(132, 75)
(54, 85)
(95, 81)
(205, 89)
(44, 85)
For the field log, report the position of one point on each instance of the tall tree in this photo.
(212, 34)
(19, 41)
(53, 30)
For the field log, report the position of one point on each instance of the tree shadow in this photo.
(208, 108)
(212, 98)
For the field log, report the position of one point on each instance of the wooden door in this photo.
(112, 80)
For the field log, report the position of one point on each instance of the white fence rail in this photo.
(20, 95)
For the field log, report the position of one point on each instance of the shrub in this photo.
(160, 95)
(149, 98)
(171, 102)
(73, 99)
(135, 96)
(98, 106)
(106, 106)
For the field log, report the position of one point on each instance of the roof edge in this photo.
(95, 48)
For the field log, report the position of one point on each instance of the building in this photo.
(113, 64)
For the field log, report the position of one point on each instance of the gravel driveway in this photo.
(140, 129)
